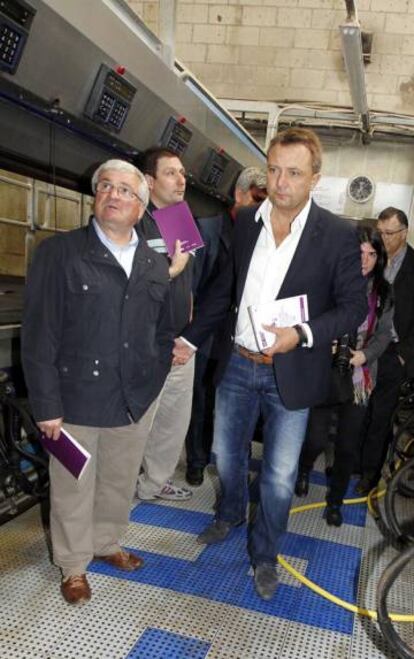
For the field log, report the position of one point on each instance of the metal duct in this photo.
(91, 84)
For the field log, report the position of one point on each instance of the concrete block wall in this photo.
(390, 165)
(289, 50)
(281, 50)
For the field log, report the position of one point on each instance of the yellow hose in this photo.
(354, 608)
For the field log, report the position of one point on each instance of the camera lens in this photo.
(343, 353)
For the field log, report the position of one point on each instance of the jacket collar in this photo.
(265, 210)
(311, 233)
(96, 251)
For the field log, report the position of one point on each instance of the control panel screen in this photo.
(15, 21)
(110, 99)
(119, 86)
(20, 12)
(176, 136)
(214, 168)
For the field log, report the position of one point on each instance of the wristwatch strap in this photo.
(303, 337)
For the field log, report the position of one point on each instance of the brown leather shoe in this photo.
(123, 560)
(76, 589)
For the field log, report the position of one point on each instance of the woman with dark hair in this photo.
(370, 341)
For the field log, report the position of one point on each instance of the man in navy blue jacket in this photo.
(96, 349)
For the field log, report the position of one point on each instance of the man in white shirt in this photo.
(287, 247)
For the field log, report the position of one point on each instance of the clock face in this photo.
(361, 189)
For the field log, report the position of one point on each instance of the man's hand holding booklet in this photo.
(285, 312)
(176, 222)
(68, 451)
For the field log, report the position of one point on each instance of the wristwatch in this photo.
(303, 337)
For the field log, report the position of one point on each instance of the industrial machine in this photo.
(82, 82)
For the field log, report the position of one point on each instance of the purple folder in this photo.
(176, 223)
(68, 451)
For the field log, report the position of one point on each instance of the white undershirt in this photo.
(268, 267)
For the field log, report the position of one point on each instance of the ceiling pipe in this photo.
(265, 113)
(351, 10)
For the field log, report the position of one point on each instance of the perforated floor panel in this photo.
(195, 602)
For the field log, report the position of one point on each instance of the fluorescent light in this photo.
(352, 52)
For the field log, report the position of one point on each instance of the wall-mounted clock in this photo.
(361, 189)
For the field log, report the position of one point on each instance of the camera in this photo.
(343, 353)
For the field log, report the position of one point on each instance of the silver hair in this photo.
(251, 176)
(123, 166)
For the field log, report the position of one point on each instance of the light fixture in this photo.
(354, 62)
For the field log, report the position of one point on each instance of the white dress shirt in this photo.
(267, 270)
(124, 254)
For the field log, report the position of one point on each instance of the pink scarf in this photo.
(361, 378)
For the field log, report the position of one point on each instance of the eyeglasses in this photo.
(123, 191)
(388, 232)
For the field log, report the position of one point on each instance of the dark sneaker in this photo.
(216, 532)
(364, 486)
(302, 484)
(194, 476)
(333, 515)
(265, 580)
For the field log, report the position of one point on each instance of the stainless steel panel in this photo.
(67, 43)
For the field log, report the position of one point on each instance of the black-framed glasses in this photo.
(123, 191)
(392, 232)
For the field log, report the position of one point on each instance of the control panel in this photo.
(176, 136)
(110, 99)
(16, 18)
(213, 170)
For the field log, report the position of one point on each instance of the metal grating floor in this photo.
(195, 602)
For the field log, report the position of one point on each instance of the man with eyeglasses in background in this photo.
(397, 362)
(166, 180)
(96, 348)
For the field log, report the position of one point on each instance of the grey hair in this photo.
(123, 166)
(251, 176)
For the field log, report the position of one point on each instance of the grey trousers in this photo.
(89, 516)
(168, 430)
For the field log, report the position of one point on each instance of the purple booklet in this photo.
(68, 451)
(176, 223)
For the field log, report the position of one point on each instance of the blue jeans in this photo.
(246, 390)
